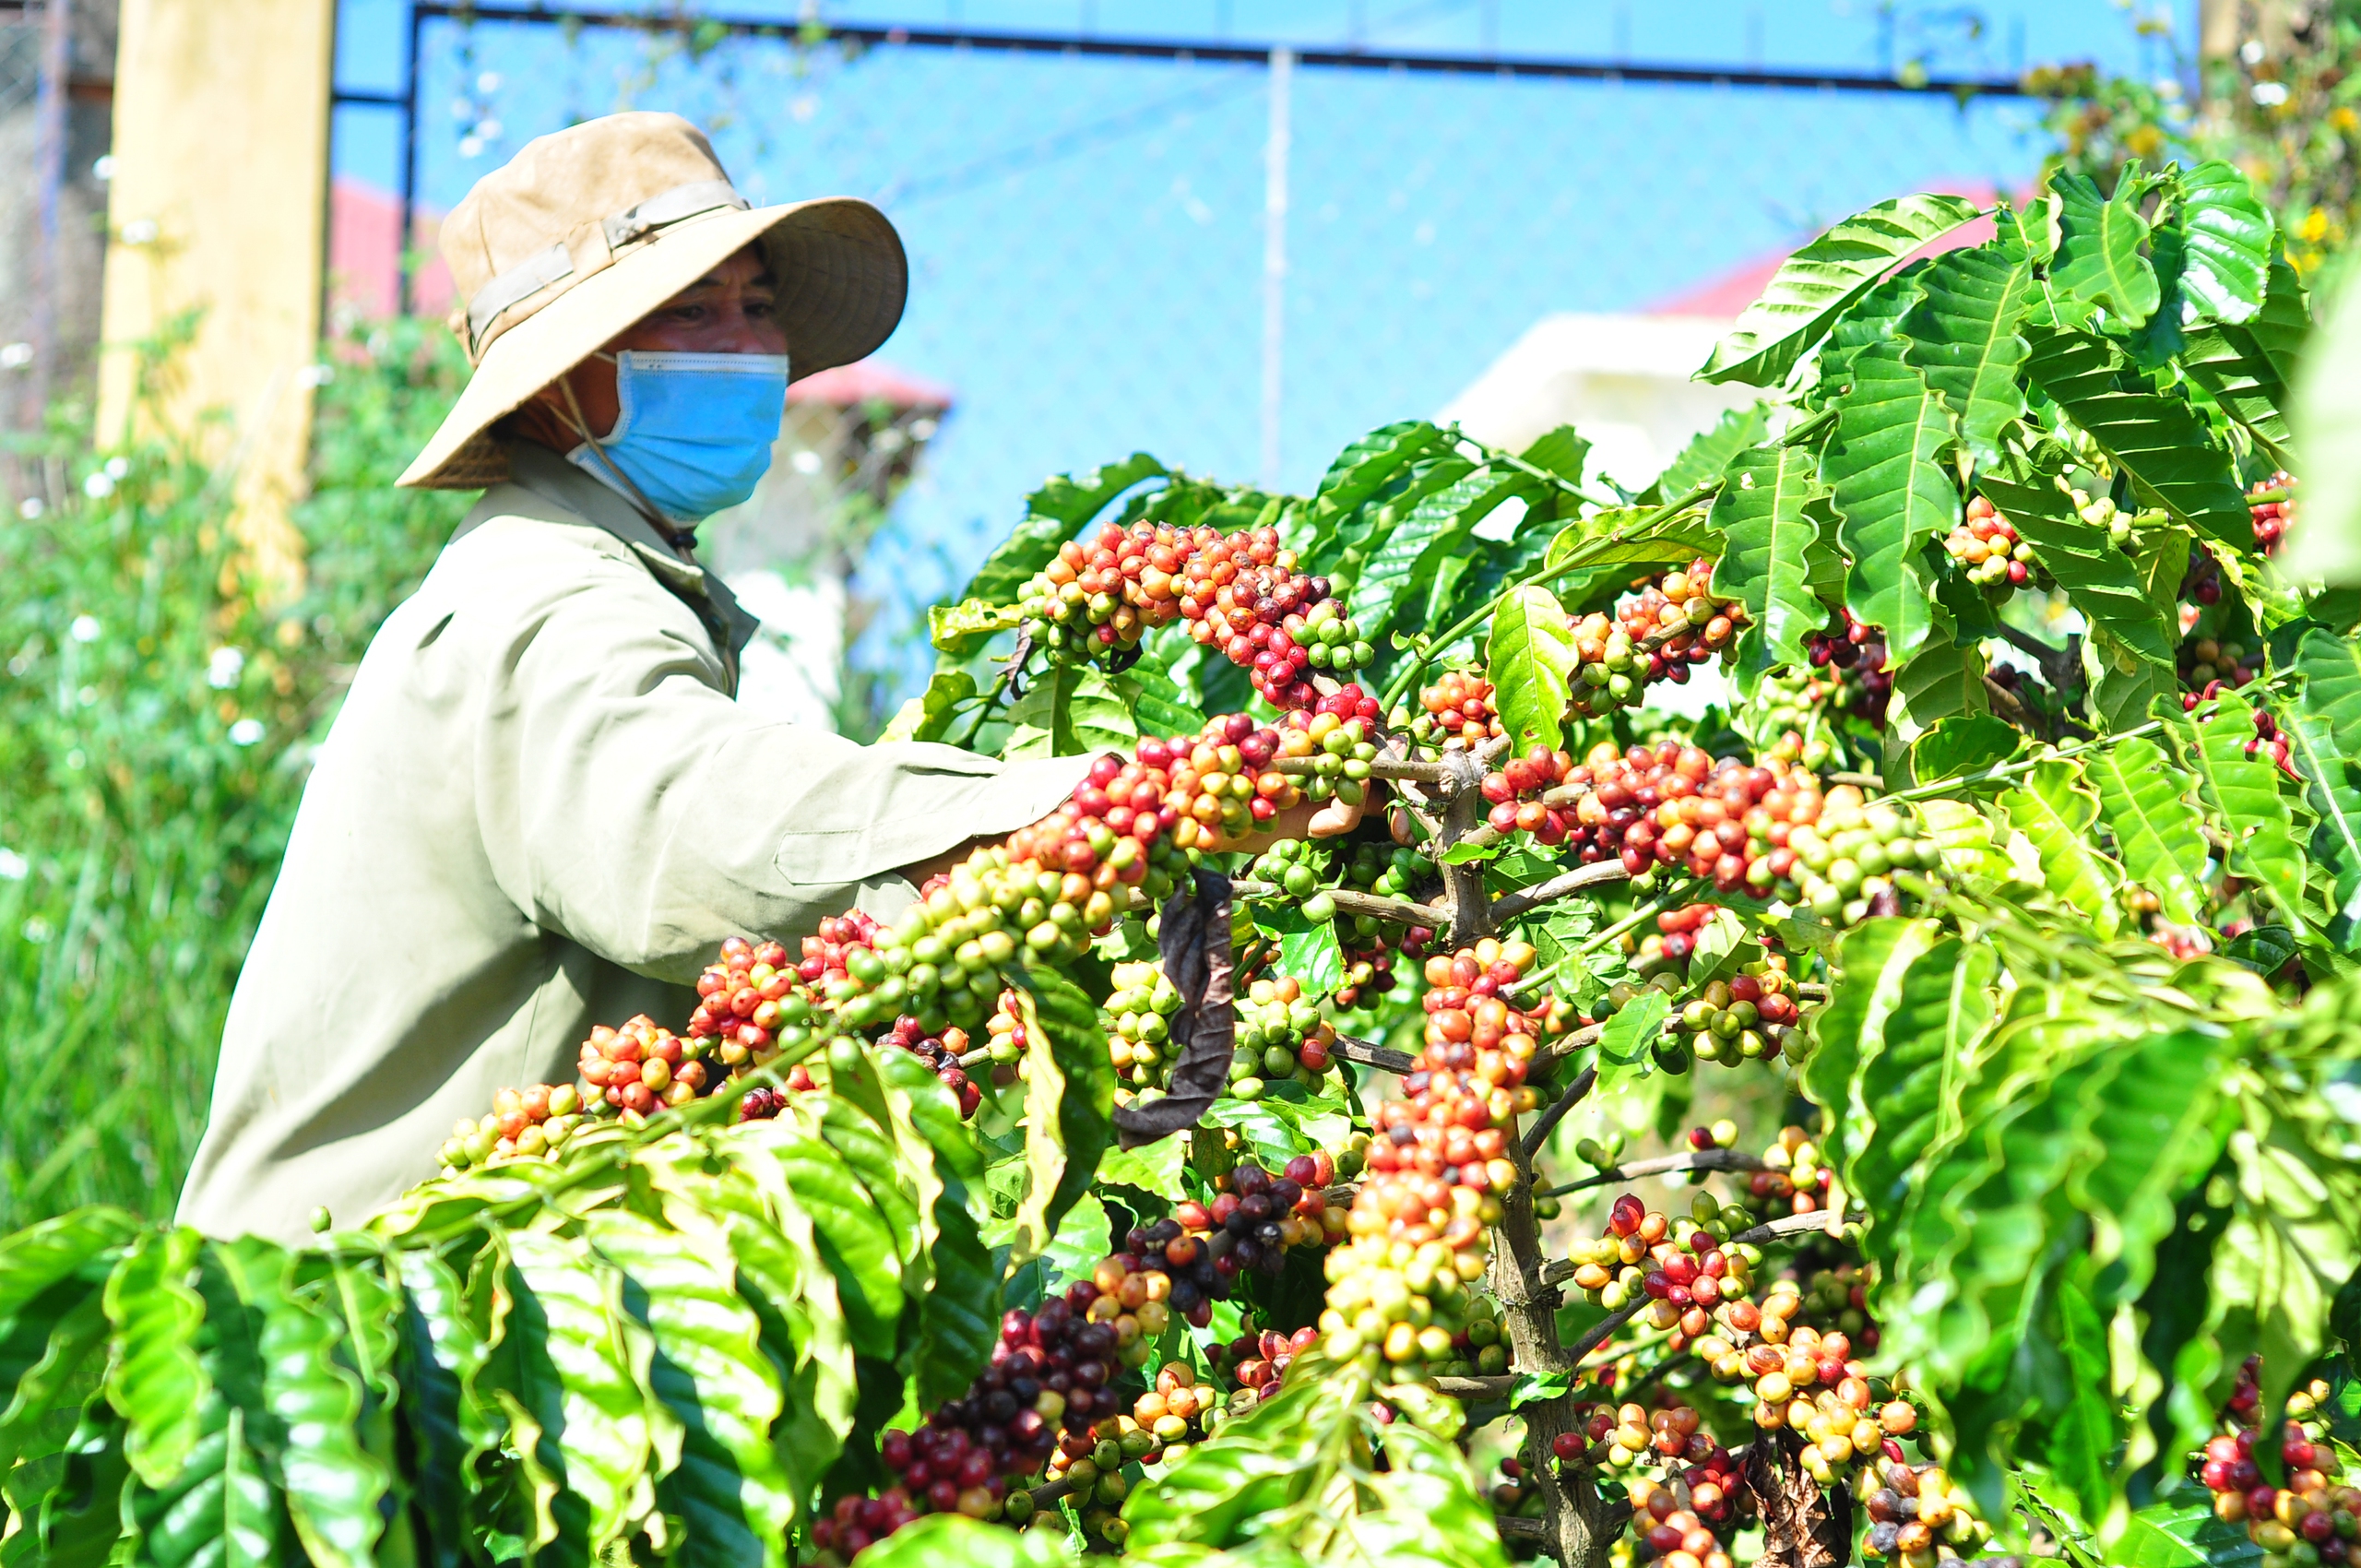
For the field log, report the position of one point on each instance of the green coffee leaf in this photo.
(2100, 580)
(1885, 465)
(2098, 260)
(2229, 235)
(708, 1370)
(154, 1378)
(1962, 333)
(1814, 286)
(2160, 441)
(1627, 1040)
(1764, 514)
(2159, 835)
(1531, 661)
(2059, 813)
(2243, 793)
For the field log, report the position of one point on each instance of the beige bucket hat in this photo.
(586, 230)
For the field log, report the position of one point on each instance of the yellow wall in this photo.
(218, 200)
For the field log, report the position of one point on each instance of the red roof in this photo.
(1731, 292)
(870, 381)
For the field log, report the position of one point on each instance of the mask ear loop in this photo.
(683, 540)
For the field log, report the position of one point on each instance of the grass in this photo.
(155, 727)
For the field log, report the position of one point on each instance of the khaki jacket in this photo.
(540, 809)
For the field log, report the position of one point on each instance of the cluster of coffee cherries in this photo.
(1839, 861)
(1459, 712)
(1281, 1038)
(1985, 544)
(2101, 512)
(1808, 1382)
(941, 1052)
(1243, 596)
(1786, 720)
(1854, 654)
(1105, 852)
(2315, 1519)
(1241, 592)
(1256, 1364)
(1679, 1265)
(643, 1066)
(1138, 1019)
(1679, 1534)
(1172, 1413)
(533, 1120)
(1751, 1015)
(2207, 665)
(1673, 805)
(1399, 1288)
(752, 1003)
(1665, 950)
(1253, 1220)
(2267, 739)
(1656, 635)
(1050, 1374)
(2201, 586)
(1919, 1514)
(2272, 504)
(1516, 792)
(1793, 1180)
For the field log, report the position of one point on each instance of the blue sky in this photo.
(1087, 235)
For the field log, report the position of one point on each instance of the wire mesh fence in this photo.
(1092, 237)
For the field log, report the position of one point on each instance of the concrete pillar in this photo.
(219, 207)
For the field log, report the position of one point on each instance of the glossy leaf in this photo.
(219, 1511)
(1074, 711)
(2242, 792)
(1764, 514)
(1885, 466)
(954, 1541)
(1530, 663)
(440, 1350)
(852, 1238)
(1362, 468)
(928, 716)
(2323, 730)
(1962, 333)
(2100, 580)
(2059, 813)
(2229, 366)
(2098, 260)
(154, 1378)
(708, 1372)
(959, 1319)
(1400, 571)
(333, 1486)
(2159, 440)
(2159, 834)
(577, 1369)
(2229, 234)
(1626, 1042)
(1814, 286)
(1709, 452)
(1069, 1102)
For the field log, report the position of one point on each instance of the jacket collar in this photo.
(535, 468)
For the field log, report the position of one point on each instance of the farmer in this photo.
(540, 808)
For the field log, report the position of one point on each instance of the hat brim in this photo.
(841, 276)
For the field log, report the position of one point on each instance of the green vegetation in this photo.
(154, 727)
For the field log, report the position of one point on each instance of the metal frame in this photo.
(1488, 65)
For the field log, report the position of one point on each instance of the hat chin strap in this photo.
(683, 539)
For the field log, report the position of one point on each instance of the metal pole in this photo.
(404, 288)
(49, 160)
(1274, 260)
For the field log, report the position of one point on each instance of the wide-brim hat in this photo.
(586, 231)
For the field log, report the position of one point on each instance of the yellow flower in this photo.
(2314, 227)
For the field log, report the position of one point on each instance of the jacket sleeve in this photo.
(629, 804)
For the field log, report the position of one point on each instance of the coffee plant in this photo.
(1306, 1121)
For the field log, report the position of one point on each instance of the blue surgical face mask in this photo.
(696, 430)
